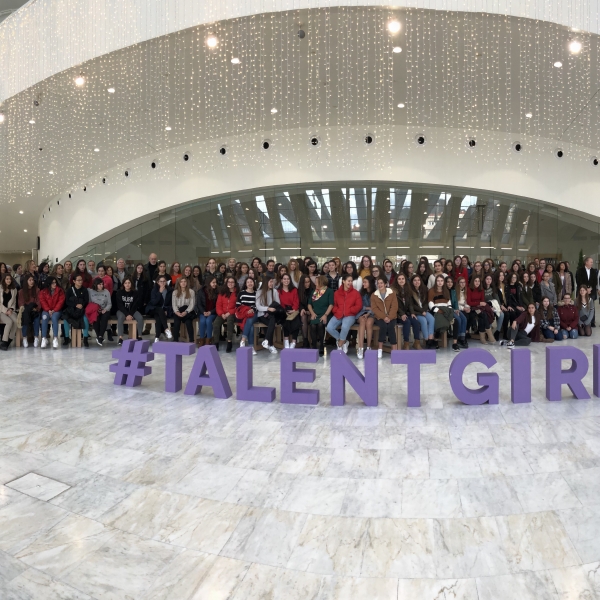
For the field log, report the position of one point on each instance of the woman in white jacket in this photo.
(265, 297)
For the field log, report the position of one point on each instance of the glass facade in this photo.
(349, 220)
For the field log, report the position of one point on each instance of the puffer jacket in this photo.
(52, 302)
(226, 304)
(348, 303)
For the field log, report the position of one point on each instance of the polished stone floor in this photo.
(116, 493)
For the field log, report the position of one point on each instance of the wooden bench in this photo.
(277, 336)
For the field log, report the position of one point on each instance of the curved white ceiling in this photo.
(46, 37)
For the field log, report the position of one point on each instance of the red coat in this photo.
(225, 304)
(475, 297)
(52, 302)
(461, 272)
(346, 304)
(569, 316)
(289, 298)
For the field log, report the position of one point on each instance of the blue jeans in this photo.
(407, 324)
(499, 321)
(205, 327)
(36, 327)
(86, 328)
(248, 332)
(46, 321)
(427, 324)
(564, 334)
(461, 324)
(549, 335)
(346, 323)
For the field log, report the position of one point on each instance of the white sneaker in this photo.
(265, 344)
(272, 350)
(345, 347)
(168, 334)
(511, 345)
(25, 343)
(156, 340)
(36, 342)
(380, 353)
(55, 343)
(286, 343)
(44, 342)
(242, 343)
(254, 352)
(293, 345)
(359, 353)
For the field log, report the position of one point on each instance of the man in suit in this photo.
(588, 276)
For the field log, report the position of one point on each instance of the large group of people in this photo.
(493, 302)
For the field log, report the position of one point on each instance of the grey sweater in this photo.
(102, 299)
(183, 301)
(587, 310)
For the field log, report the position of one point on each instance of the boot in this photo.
(217, 346)
(305, 343)
(547, 340)
(200, 342)
(86, 343)
(482, 338)
(406, 346)
(462, 342)
(3, 345)
(490, 336)
(497, 335)
(9, 343)
(417, 345)
(210, 342)
(66, 342)
(229, 347)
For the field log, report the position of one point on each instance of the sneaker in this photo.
(272, 350)
(25, 343)
(286, 343)
(359, 352)
(345, 347)
(265, 345)
(292, 344)
(44, 342)
(99, 341)
(510, 345)
(55, 343)
(242, 343)
(380, 353)
(156, 340)
(456, 347)
(120, 342)
(36, 342)
(168, 334)
(254, 352)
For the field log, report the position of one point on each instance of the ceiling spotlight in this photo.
(96, 149)
(273, 111)
(167, 128)
(575, 47)
(2, 117)
(397, 50)
(32, 122)
(20, 212)
(51, 172)
(558, 64)
(394, 26)
(29, 193)
(80, 81)
(235, 61)
(212, 41)
(25, 230)
(401, 105)
(111, 90)
(528, 115)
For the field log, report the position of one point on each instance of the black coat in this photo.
(201, 303)
(591, 281)
(142, 285)
(157, 302)
(74, 297)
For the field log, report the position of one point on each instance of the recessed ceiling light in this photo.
(529, 115)
(96, 149)
(273, 111)
(25, 230)
(79, 81)
(2, 117)
(397, 50)
(51, 172)
(394, 26)
(558, 64)
(20, 212)
(401, 105)
(32, 121)
(29, 193)
(111, 90)
(324, 226)
(235, 61)
(575, 47)
(167, 128)
(212, 41)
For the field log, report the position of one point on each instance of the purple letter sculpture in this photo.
(208, 370)
(245, 390)
(413, 361)
(556, 377)
(520, 375)
(131, 368)
(291, 375)
(173, 352)
(342, 369)
(489, 382)
(597, 370)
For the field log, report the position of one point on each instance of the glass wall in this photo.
(349, 220)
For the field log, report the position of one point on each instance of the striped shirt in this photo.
(246, 299)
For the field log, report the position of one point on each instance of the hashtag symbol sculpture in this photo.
(131, 367)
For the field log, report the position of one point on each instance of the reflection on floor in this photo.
(114, 493)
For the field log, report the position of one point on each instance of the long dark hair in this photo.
(225, 288)
(421, 293)
(354, 270)
(305, 293)
(11, 286)
(372, 285)
(30, 294)
(211, 292)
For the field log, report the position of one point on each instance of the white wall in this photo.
(46, 37)
(571, 182)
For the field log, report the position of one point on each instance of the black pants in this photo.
(161, 321)
(317, 334)
(519, 337)
(270, 322)
(291, 328)
(386, 330)
(101, 324)
(188, 320)
(480, 321)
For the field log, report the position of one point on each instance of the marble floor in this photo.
(115, 493)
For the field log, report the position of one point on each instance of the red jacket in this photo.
(289, 298)
(225, 304)
(462, 272)
(346, 304)
(569, 316)
(475, 297)
(52, 302)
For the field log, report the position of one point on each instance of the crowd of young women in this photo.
(496, 303)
